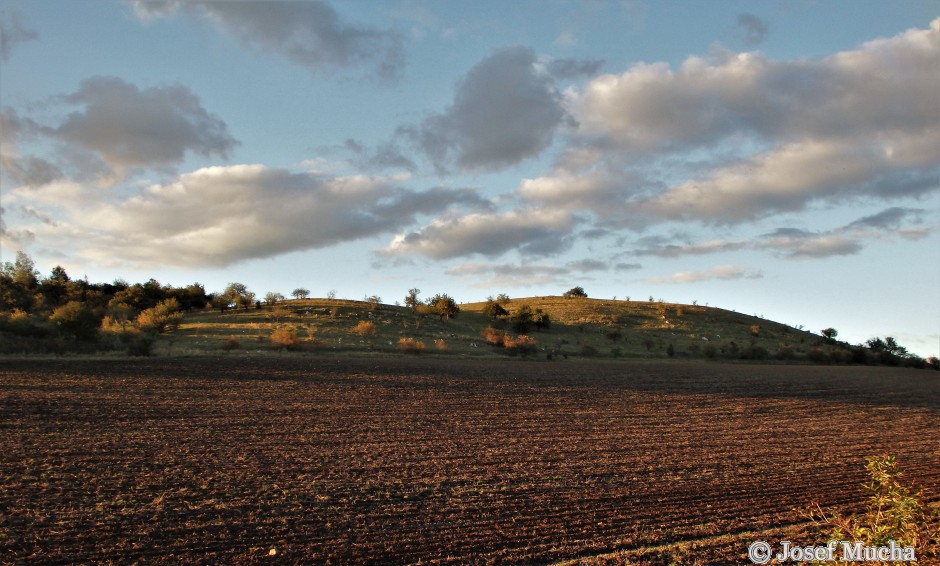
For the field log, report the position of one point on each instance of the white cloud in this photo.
(531, 232)
(738, 137)
(217, 216)
(508, 275)
(721, 272)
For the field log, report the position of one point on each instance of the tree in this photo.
(503, 299)
(411, 299)
(165, 316)
(445, 306)
(575, 292)
(494, 310)
(374, 302)
(273, 298)
(75, 320)
(829, 333)
(522, 319)
(300, 293)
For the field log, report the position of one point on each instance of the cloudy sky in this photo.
(775, 158)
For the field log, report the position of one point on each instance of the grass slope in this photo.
(579, 327)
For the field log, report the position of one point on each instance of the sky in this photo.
(780, 159)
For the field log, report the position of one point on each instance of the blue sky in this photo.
(775, 158)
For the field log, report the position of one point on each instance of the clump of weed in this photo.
(365, 328)
(285, 338)
(894, 513)
(411, 345)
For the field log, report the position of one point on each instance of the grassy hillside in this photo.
(579, 328)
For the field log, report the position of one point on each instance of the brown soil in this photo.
(307, 459)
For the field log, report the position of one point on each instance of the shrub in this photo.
(575, 292)
(161, 318)
(493, 336)
(785, 353)
(440, 344)
(410, 345)
(141, 345)
(614, 335)
(818, 356)
(75, 320)
(670, 351)
(754, 353)
(893, 513)
(588, 351)
(365, 328)
(285, 337)
(231, 344)
(755, 330)
(710, 352)
(494, 310)
(521, 344)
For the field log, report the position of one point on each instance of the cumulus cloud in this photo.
(309, 33)
(13, 32)
(720, 272)
(217, 216)
(736, 137)
(531, 232)
(567, 69)
(504, 110)
(384, 157)
(753, 29)
(114, 127)
(128, 127)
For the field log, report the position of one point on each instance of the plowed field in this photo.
(307, 459)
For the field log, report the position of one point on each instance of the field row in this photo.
(408, 460)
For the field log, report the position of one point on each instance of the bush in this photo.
(588, 351)
(141, 345)
(410, 345)
(75, 320)
(493, 336)
(365, 328)
(893, 513)
(785, 353)
(161, 318)
(710, 352)
(575, 292)
(231, 344)
(440, 344)
(755, 330)
(818, 356)
(285, 338)
(754, 353)
(521, 344)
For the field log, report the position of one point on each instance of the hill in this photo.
(579, 327)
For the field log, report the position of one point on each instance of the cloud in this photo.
(567, 69)
(888, 218)
(116, 127)
(504, 111)
(754, 29)
(308, 33)
(384, 157)
(508, 275)
(676, 250)
(797, 244)
(736, 137)
(720, 272)
(530, 232)
(218, 216)
(13, 33)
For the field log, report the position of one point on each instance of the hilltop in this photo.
(576, 327)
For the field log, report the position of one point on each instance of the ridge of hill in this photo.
(584, 327)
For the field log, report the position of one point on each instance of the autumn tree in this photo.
(411, 299)
(575, 292)
(444, 305)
